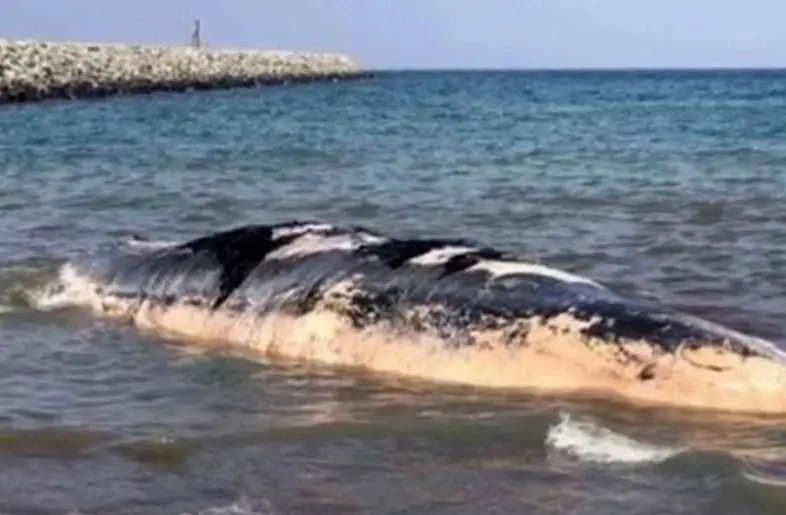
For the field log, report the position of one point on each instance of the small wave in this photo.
(19, 280)
(592, 443)
(54, 296)
(241, 507)
(765, 472)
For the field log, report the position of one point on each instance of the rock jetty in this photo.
(32, 71)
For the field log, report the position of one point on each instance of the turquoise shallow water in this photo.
(665, 184)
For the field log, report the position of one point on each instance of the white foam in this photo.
(241, 507)
(501, 268)
(70, 289)
(770, 473)
(592, 443)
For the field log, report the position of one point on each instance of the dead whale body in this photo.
(444, 310)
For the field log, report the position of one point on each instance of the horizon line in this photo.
(703, 68)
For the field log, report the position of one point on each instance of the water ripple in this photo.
(660, 184)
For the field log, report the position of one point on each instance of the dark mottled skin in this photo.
(229, 270)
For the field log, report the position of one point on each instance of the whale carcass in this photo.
(440, 309)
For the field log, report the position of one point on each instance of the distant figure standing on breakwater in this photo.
(196, 39)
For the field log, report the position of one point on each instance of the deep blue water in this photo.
(669, 184)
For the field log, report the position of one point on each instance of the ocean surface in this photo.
(659, 184)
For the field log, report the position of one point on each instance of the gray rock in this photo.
(34, 70)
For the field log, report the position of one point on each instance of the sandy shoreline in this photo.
(33, 71)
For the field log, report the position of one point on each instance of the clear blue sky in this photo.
(437, 33)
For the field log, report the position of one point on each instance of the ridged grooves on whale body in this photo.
(445, 310)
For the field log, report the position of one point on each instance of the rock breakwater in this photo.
(32, 71)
